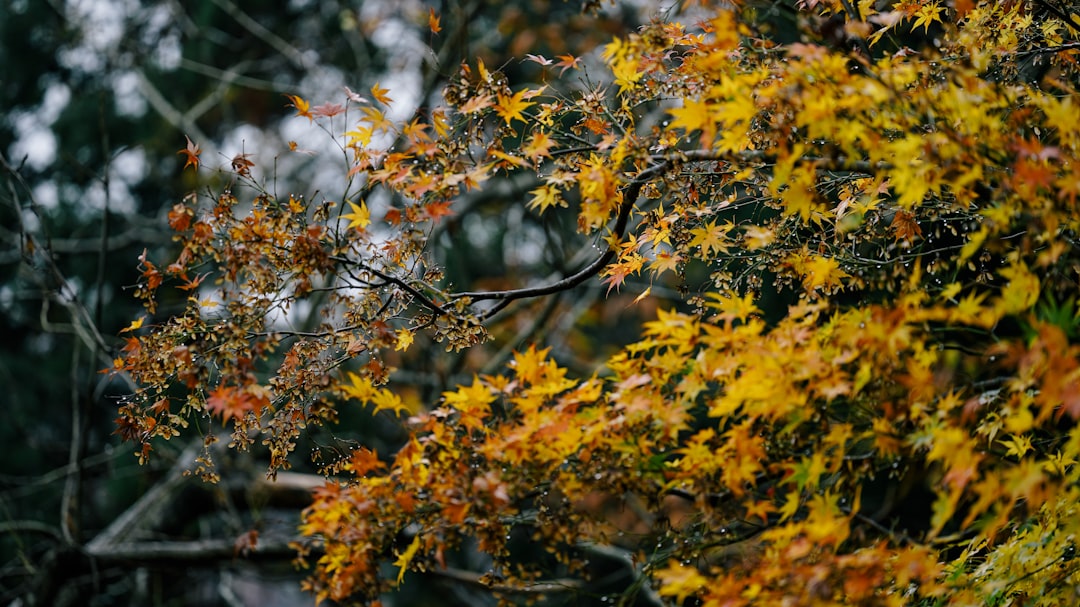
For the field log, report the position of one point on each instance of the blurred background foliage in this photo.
(97, 97)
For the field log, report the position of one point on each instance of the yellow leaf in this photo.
(545, 197)
(819, 271)
(440, 122)
(693, 115)
(134, 325)
(361, 388)
(927, 15)
(1018, 445)
(757, 237)
(511, 108)
(1021, 292)
(642, 295)
(385, 400)
(711, 237)
(359, 218)
(975, 241)
(380, 94)
(680, 581)
(360, 136)
(303, 108)
(485, 76)
(406, 557)
(404, 339)
(950, 291)
(791, 506)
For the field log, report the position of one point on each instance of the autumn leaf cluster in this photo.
(876, 243)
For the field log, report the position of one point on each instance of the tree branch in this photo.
(633, 189)
(1046, 50)
(276, 42)
(475, 579)
(144, 552)
(147, 509)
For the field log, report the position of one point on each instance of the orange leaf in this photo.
(192, 152)
(433, 21)
(302, 107)
(567, 62)
(229, 402)
(904, 226)
(436, 210)
(380, 94)
(364, 460)
(242, 165)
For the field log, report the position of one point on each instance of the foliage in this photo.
(875, 243)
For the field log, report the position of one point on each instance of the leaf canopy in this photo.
(868, 240)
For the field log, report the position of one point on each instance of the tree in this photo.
(866, 392)
(97, 96)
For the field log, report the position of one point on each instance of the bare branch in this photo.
(147, 509)
(273, 40)
(190, 551)
(474, 579)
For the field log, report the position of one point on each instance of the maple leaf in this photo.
(416, 131)
(529, 365)
(435, 211)
(711, 237)
(433, 21)
(759, 509)
(364, 460)
(927, 14)
(385, 400)
(545, 197)
(440, 121)
(327, 110)
(756, 237)
(180, 217)
(617, 273)
(380, 94)
(680, 581)
(693, 115)
(665, 261)
(191, 153)
(406, 557)
(538, 59)
(359, 217)
(135, 324)
(404, 339)
(190, 284)
(1022, 290)
(567, 62)
(819, 271)
(511, 108)
(360, 136)
(354, 97)
(302, 106)
(476, 104)
(904, 226)
(359, 387)
(539, 146)
(229, 402)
